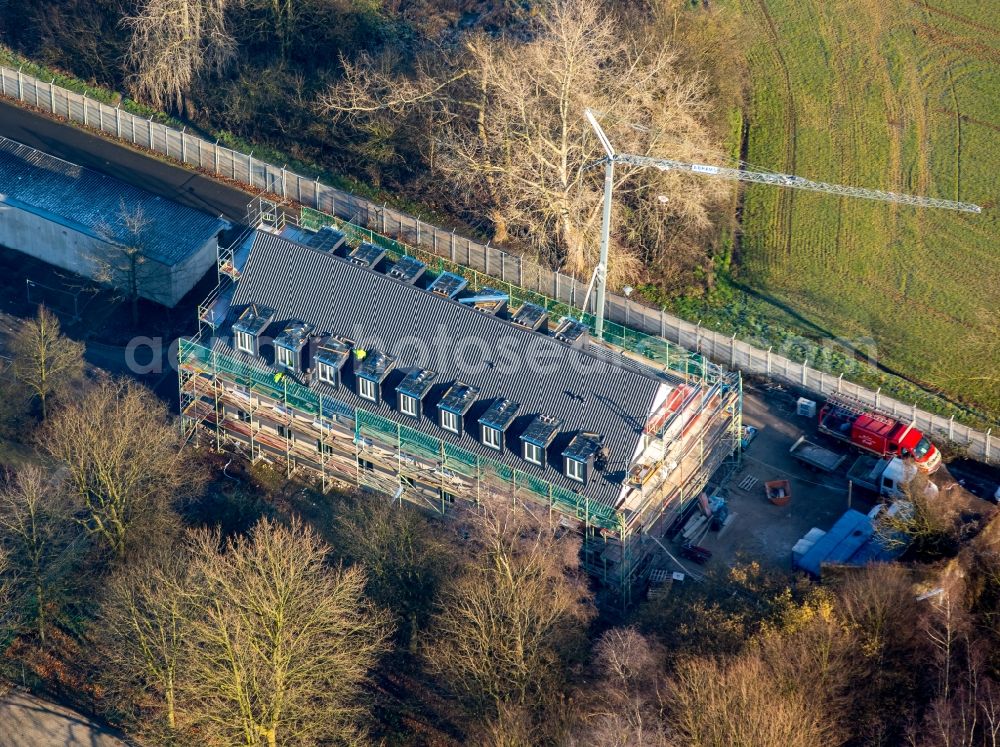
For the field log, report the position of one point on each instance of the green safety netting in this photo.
(273, 385)
(460, 460)
(419, 444)
(407, 440)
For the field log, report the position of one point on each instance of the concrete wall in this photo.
(50, 241)
(186, 275)
(62, 245)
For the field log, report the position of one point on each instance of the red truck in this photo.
(884, 436)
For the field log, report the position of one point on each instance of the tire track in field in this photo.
(967, 118)
(785, 196)
(955, 41)
(956, 17)
(957, 109)
(896, 113)
(845, 132)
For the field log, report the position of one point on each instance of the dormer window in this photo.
(285, 358)
(492, 438)
(537, 438)
(576, 470)
(370, 369)
(249, 327)
(454, 405)
(328, 374)
(411, 390)
(330, 359)
(368, 389)
(581, 454)
(450, 422)
(495, 421)
(409, 405)
(246, 342)
(291, 347)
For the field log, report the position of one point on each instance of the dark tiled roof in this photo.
(589, 389)
(90, 203)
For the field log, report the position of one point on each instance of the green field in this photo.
(893, 94)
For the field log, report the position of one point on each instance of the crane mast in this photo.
(724, 172)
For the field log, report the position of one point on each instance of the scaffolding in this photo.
(272, 417)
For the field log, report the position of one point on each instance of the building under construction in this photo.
(362, 363)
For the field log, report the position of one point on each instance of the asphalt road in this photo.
(82, 148)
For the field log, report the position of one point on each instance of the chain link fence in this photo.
(244, 168)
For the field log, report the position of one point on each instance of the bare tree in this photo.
(125, 265)
(282, 17)
(147, 613)
(879, 606)
(811, 652)
(41, 543)
(506, 117)
(925, 518)
(740, 702)
(969, 715)
(282, 643)
(406, 559)
(512, 619)
(625, 705)
(122, 461)
(8, 578)
(173, 42)
(45, 361)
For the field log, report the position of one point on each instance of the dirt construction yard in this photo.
(759, 530)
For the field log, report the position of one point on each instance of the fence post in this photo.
(20, 86)
(250, 168)
(452, 240)
(878, 397)
(383, 223)
(732, 351)
(951, 428)
(52, 96)
(284, 191)
(805, 367)
(316, 193)
(989, 431)
(84, 110)
(840, 382)
(416, 224)
(769, 360)
(182, 143)
(215, 154)
(118, 121)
